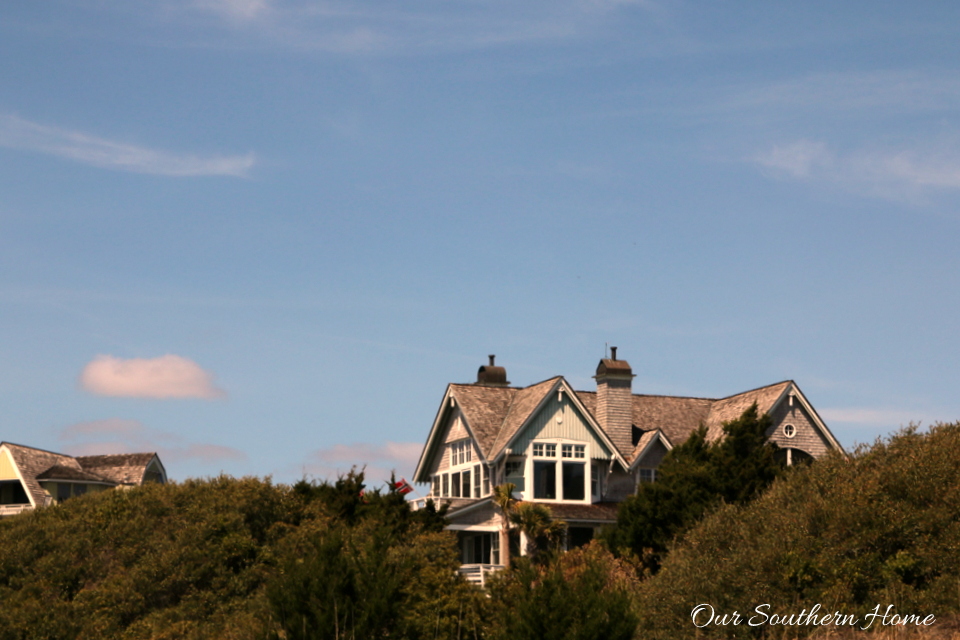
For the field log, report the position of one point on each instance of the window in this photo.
(574, 451)
(486, 482)
(436, 485)
(789, 430)
(466, 484)
(595, 487)
(476, 481)
(648, 475)
(63, 491)
(544, 450)
(495, 548)
(455, 484)
(514, 468)
(573, 481)
(461, 452)
(446, 485)
(79, 489)
(545, 480)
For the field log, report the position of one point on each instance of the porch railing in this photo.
(477, 573)
(13, 509)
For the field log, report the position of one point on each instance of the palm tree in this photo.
(503, 496)
(537, 523)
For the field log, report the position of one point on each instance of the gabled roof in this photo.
(494, 415)
(32, 462)
(34, 465)
(522, 406)
(732, 407)
(64, 472)
(124, 468)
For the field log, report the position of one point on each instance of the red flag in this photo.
(403, 487)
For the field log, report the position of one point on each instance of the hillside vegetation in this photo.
(880, 527)
(247, 559)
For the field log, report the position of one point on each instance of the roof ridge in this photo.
(24, 446)
(766, 386)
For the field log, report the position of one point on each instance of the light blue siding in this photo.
(572, 426)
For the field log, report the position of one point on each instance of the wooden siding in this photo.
(572, 427)
(808, 437)
(654, 456)
(7, 470)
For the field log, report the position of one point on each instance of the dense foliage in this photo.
(694, 478)
(246, 559)
(879, 527)
(581, 595)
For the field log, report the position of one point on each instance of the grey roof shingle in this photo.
(123, 468)
(38, 464)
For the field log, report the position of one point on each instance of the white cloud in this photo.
(117, 435)
(379, 460)
(896, 174)
(17, 133)
(168, 376)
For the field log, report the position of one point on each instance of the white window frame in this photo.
(555, 450)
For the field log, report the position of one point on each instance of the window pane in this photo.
(436, 485)
(573, 481)
(446, 485)
(579, 451)
(550, 451)
(466, 484)
(538, 449)
(476, 481)
(455, 484)
(545, 480)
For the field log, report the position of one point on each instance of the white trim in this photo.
(793, 390)
(23, 482)
(561, 385)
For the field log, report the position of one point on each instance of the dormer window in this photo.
(461, 452)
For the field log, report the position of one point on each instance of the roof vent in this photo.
(491, 375)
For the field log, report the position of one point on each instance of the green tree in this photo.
(542, 532)
(693, 479)
(580, 595)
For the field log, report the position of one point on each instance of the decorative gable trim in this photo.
(16, 469)
(420, 476)
(561, 386)
(435, 439)
(793, 390)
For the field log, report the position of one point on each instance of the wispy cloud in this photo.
(117, 435)
(169, 376)
(886, 90)
(379, 459)
(17, 133)
(386, 26)
(901, 174)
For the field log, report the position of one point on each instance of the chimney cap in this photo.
(491, 375)
(612, 366)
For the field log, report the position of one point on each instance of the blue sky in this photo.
(260, 236)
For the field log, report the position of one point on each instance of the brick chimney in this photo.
(615, 400)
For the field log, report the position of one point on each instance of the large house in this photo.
(31, 478)
(580, 452)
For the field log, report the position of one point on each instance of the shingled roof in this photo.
(124, 468)
(496, 414)
(38, 464)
